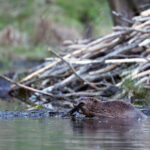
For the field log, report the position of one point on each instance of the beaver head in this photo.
(86, 105)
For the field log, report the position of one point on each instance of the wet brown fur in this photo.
(116, 109)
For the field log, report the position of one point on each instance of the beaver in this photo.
(92, 107)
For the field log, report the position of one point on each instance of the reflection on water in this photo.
(66, 134)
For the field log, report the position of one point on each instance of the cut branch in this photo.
(73, 70)
(127, 60)
(25, 87)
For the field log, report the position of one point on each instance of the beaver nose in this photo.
(77, 108)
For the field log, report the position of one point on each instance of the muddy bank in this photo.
(44, 113)
(40, 113)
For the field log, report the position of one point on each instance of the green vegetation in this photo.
(24, 15)
(96, 12)
(10, 55)
(137, 92)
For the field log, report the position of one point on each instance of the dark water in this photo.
(67, 134)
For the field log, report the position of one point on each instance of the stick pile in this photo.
(90, 67)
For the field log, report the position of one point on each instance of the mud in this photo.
(44, 113)
(40, 113)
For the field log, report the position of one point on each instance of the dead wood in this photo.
(25, 87)
(87, 66)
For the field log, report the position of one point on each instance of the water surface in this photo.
(78, 134)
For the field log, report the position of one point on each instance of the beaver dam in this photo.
(115, 66)
(75, 84)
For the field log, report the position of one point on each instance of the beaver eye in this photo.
(81, 104)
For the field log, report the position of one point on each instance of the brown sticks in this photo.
(99, 63)
(73, 70)
(25, 87)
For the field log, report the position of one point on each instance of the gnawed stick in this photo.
(73, 70)
(77, 52)
(77, 94)
(141, 74)
(131, 29)
(106, 69)
(25, 87)
(76, 61)
(36, 73)
(127, 60)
